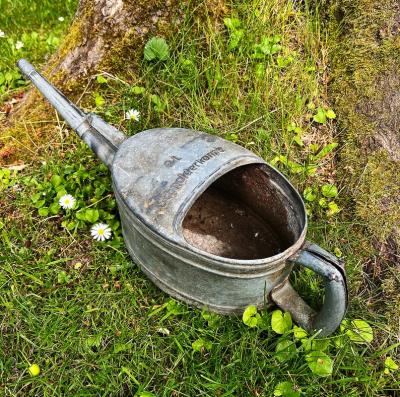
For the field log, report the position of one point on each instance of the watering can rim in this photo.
(182, 244)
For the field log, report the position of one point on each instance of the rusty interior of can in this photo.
(243, 215)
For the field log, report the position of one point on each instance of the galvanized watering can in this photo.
(208, 221)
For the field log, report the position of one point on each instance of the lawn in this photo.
(86, 315)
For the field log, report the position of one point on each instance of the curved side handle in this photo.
(336, 298)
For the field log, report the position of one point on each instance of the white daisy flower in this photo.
(61, 19)
(132, 114)
(19, 45)
(100, 231)
(67, 201)
(2, 34)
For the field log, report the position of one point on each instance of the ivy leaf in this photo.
(329, 191)
(286, 389)
(156, 49)
(358, 331)
(251, 317)
(281, 322)
(320, 117)
(319, 363)
(285, 350)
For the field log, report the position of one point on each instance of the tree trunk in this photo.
(107, 36)
(366, 92)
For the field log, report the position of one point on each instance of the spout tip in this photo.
(25, 67)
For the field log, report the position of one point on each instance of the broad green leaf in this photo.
(121, 347)
(54, 208)
(144, 394)
(101, 79)
(251, 317)
(286, 389)
(80, 215)
(56, 180)
(35, 198)
(322, 202)
(309, 194)
(338, 252)
(298, 140)
(137, 90)
(235, 37)
(299, 333)
(71, 225)
(330, 114)
(285, 350)
(99, 100)
(325, 150)
(390, 365)
(93, 341)
(39, 203)
(91, 215)
(63, 277)
(281, 322)
(232, 23)
(359, 331)
(201, 344)
(320, 363)
(156, 49)
(329, 191)
(320, 117)
(44, 211)
(333, 209)
(211, 318)
(315, 344)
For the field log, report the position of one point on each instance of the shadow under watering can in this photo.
(208, 221)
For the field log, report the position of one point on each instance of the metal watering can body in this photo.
(208, 221)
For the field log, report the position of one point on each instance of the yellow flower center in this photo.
(100, 232)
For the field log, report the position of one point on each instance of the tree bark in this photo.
(107, 36)
(366, 92)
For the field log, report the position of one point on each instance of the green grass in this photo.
(87, 315)
(37, 26)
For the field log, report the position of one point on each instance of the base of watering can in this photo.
(226, 310)
(181, 296)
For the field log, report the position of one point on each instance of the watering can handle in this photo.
(336, 298)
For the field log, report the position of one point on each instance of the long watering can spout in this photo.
(101, 137)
